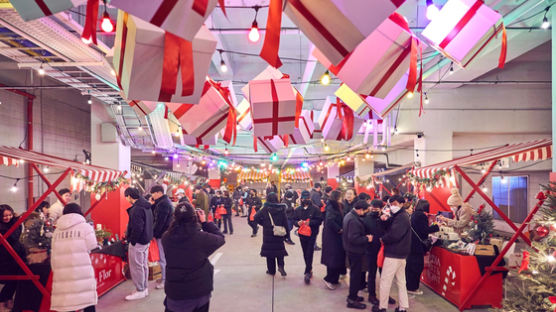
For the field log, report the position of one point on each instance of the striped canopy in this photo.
(262, 175)
(8, 161)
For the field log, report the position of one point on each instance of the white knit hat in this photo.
(455, 199)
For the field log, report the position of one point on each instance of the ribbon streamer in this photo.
(91, 18)
(44, 8)
(504, 48)
(271, 44)
(122, 51)
(178, 54)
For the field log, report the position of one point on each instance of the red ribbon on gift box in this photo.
(178, 54)
(230, 134)
(44, 8)
(348, 119)
(91, 18)
(136, 103)
(302, 118)
(199, 6)
(122, 51)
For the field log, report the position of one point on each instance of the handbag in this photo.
(380, 256)
(277, 230)
(154, 253)
(221, 210)
(304, 229)
(427, 243)
(252, 215)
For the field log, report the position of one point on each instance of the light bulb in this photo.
(410, 95)
(485, 189)
(550, 258)
(41, 71)
(106, 24)
(483, 171)
(326, 148)
(13, 189)
(86, 40)
(153, 152)
(432, 10)
(545, 23)
(112, 72)
(254, 35)
(45, 170)
(325, 79)
(90, 101)
(427, 101)
(451, 68)
(140, 129)
(503, 180)
(223, 66)
(368, 156)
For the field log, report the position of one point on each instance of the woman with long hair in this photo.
(188, 243)
(333, 254)
(273, 214)
(8, 266)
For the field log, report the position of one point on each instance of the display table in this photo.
(452, 276)
(108, 264)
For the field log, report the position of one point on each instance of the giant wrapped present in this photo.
(274, 106)
(303, 133)
(271, 145)
(182, 18)
(33, 9)
(162, 134)
(383, 106)
(187, 139)
(378, 63)
(338, 121)
(154, 65)
(463, 28)
(244, 118)
(355, 101)
(268, 73)
(215, 111)
(143, 108)
(336, 27)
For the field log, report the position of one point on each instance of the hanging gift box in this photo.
(187, 139)
(268, 73)
(303, 133)
(33, 9)
(215, 111)
(271, 145)
(383, 106)
(154, 65)
(244, 118)
(338, 121)
(143, 108)
(274, 106)
(158, 121)
(353, 100)
(182, 18)
(463, 28)
(336, 27)
(379, 62)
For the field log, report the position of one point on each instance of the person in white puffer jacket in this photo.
(73, 277)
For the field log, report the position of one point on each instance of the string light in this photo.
(550, 258)
(427, 101)
(223, 66)
(432, 10)
(409, 95)
(45, 170)
(545, 23)
(90, 100)
(41, 71)
(226, 152)
(106, 24)
(325, 78)
(451, 68)
(14, 187)
(113, 72)
(254, 35)
(326, 148)
(503, 180)
(86, 40)
(485, 189)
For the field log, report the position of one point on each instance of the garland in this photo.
(102, 187)
(429, 182)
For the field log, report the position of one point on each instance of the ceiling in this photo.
(55, 43)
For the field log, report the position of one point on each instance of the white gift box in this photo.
(187, 139)
(304, 132)
(160, 128)
(33, 9)
(330, 122)
(182, 18)
(140, 70)
(268, 73)
(463, 45)
(383, 106)
(244, 118)
(336, 27)
(271, 146)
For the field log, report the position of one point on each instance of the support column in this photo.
(108, 151)
(363, 170)
(333, 172)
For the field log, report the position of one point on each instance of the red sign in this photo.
(108, 271)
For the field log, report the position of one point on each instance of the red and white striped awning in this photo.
(296, 175)
(95, 173)
(534, 150)
(252, 175)
(8, 161)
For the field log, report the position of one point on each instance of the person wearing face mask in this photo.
(308, 214)
(375, 227)
(333, 253)
(397, 246)
(355, 242)
(8, 266)
(462, 213)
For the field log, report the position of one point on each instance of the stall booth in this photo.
(473, 280)
(107, 267)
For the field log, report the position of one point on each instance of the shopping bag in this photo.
(380, 256)
(154, 254)
(304, 229)
(322, 206)
(221, 210)
(241, 201)
(210, 218)
(252, 215)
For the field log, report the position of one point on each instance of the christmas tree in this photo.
(533, 287)
(482, 228)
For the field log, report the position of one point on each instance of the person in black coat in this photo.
(355, 242)
(415, 260)
(273, 246)
(215, 201)
(333, 254)
(349, 200)
(162, 211)
(289, 201)
(374, 226)
(254, 204)
(140, 224)
(227, 218)
(189, 242)
(308, 214)
(8, 266)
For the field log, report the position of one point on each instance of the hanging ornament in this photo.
(97, 196)
(542, 231)
(553, 227)
(524, 262)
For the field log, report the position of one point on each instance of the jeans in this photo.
(308, 247)
(139, 265)
(413, 269)
(289, 229)
(162, 261)
(332, 275)
(271, 263)
(355, 267)
(227, 218)
(393, 267)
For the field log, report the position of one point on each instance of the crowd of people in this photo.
(360, 235)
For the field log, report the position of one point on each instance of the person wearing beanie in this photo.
(397, 246)
(462, 213)
(355, 242)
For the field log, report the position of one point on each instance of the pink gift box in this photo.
(140, 67)
(160, 127)
(273, 107)
(143, 108)
(304, 133)
(272, 145)
(187, 139)
(268, 73)
(244, 118)
(336, 27)
(331, 123)
(383, 106)
(33, 9)
(459, 41)
(378, 63)
(183, 19)
(207, 118)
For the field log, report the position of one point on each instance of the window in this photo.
(510, 195)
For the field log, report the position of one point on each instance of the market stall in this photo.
(93, 178)
(443, 271)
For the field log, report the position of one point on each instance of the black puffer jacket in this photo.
(333, 254)
(163, 210)
(253, 202)
(375, 227)
(189, 271)
(290, 207)
(140, 225)
(313, 214)
(354, 238)
(397, 239)
(273, 246)
(420, 224)
(228, 204)
(348, 206)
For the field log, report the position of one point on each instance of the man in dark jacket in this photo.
(215, 201)
(309, 215)
(397, 245)
(290, 208)
(139, 234)
(163, 210)
(253, 203)
(236, 196)
(316, 198)
(374, 226)
(355, 242)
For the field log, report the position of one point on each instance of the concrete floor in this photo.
(240, 284)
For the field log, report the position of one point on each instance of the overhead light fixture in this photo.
(409, 95)
(14, 187)
(427, 101)
(326, 148)
(254, 34)
(545, 23)
(503, 180)
(45, 170)
(226, 152)
(325, 78)
(86, 40)
(41, 71)
(223, 66)
(106, 24)
(90, 100)
(113, 72)
(451, 68)
(432, 10)
(140, 129)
